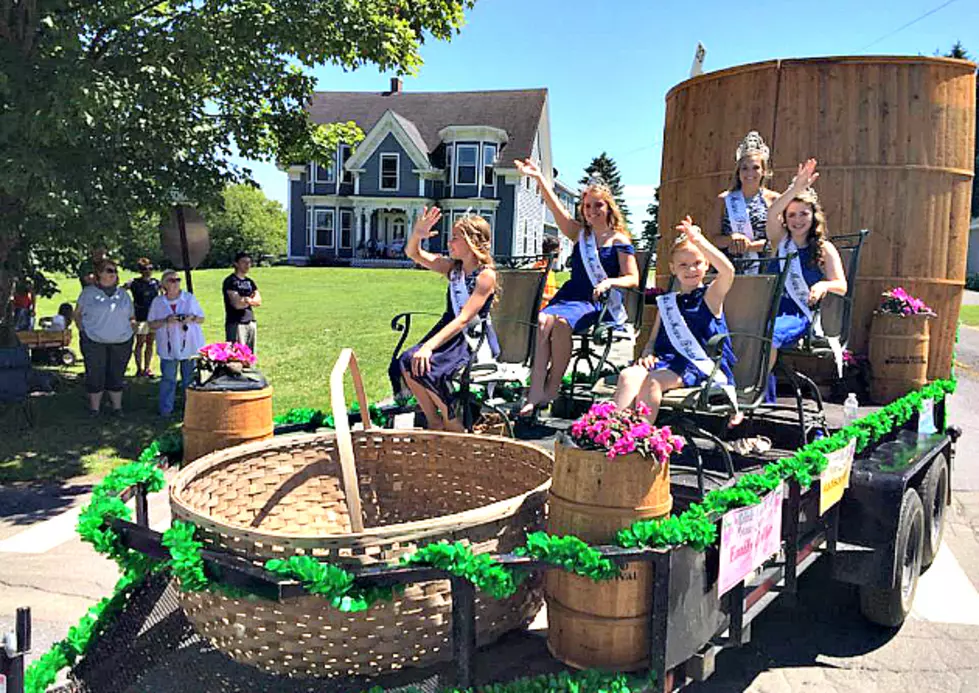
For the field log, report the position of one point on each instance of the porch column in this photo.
(358, 228)
(367, 221)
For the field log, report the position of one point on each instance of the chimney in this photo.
(396, 85)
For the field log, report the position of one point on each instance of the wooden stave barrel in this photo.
(602, 625)
(900, 165)
(214, 420)
(904, 337)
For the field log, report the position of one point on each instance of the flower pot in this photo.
(898, 355)
(649, 313)
(602, 625)
(215, 419)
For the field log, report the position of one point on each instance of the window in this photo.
(322, 174)
(344, 154)
(487, 214)
(390, 163)
(489, 156)
(448, 163)
(466, 164)
(346, 228)
(323, 227)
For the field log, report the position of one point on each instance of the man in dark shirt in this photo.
(240, 297)
(144, 289)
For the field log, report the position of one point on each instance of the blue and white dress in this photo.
(449, 358)
(573, 302)
(757, 209)
(703, 325)
(791, 322)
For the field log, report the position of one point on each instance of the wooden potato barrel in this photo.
(898, 355)
(602, 625)
(895, 141)
(214, 420)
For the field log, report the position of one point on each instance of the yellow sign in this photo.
(836, 477)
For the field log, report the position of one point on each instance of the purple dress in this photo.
(573, 302)
(450, 357)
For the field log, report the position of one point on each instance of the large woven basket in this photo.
(286, 496)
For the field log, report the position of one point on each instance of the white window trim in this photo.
(488, 165)
(339, 229)
(450, 162)
(333, 216)
(397, 171)
(329, 169)
(479, 173)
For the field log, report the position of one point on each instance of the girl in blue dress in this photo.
(428, 367)
(742, 209)
(603, 259)
(670, 360)
(796, 224)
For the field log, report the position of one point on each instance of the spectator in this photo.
(144, 289)
(372, 247)
(549, 246)
(176, 316)
(240, 297)
(105, 318)
(86, 270)
(25, 305)
(59, 322)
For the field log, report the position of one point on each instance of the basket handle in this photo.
(348, 464)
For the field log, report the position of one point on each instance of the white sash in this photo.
(684, 341)
(737, 214)
(459, 294)
(798, 290)
(597, 274)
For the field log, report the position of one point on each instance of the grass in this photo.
(970, 315)
(308, 316)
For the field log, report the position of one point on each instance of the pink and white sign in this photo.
(749, 536)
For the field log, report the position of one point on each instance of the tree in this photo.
(119, 106)
(246, 220)
(650, 227)
(604, 167)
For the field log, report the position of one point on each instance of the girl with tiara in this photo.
(675, 354)
(427, 368)
(796, 224)
(742, 209)
(603, 261)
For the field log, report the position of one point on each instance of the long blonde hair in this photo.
(479, 238)
(614, 218)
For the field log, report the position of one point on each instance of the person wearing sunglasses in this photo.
(106, 319)
(176, 316)
(144, 289)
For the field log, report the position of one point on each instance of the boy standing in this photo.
(240, 297)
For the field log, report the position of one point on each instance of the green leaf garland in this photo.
(571, 553)
(482, 570)
(330, 581)
(589, 681)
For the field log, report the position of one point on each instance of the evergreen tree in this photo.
(650, 227)
(604, 167)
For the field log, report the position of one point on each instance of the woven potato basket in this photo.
(357, 498)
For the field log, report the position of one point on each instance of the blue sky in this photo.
(608, 65)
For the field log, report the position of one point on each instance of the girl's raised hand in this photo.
(690, 230)
(805, 177)
(527, 168)
(429, 218)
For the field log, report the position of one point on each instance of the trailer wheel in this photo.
(68, 357)
(890, 606)
(934, 496)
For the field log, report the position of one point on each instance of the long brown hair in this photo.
(766, 172)
(479, 237)
(817, 230)
(614, 218)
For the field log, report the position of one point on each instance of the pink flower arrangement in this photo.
(651, 293)
(225, 352)
(851, 359)
(900, 302)
(620, 432)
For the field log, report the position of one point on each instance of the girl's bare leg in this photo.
(425, 401)
(651, 392)
(560, 357)
(538, 373)
(631, 381)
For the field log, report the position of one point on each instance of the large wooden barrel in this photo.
(895, 140)
(898, 355)
(602, 625)
(214, 420)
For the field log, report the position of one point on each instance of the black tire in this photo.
(68, 357)
(934, 496)
(890, 606)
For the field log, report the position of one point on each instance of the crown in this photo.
(595, 180)
(752, 144)
(809, 195)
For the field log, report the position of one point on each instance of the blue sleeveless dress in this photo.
(704, 325)
(790, 322)
(450, 357)
(573, 301)
(757, 217)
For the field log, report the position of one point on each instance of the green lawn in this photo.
(308, 315)
(970, 315)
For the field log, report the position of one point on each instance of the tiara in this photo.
(595, 180)
(682, 238)
(752, 144)
(809, 193)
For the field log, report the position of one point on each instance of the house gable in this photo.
(402, 130)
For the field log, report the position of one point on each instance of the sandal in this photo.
(756, 445)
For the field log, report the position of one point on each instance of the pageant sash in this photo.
(737, 214)
(597, 274)
(459, 295)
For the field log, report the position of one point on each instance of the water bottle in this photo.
(851, 409)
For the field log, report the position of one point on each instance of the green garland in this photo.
(481, 570)
(331, 581)
(589, 681)
(570, 553)
(317, 418)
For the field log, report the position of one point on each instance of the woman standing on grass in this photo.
(428, 367)
(176, 316)
(602, 261)
(105, 317)
(742, 209)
